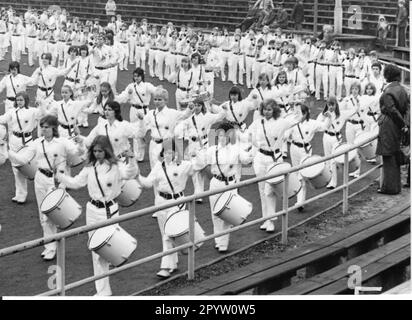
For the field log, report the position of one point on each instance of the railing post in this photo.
(191, 250)
(61, 265)
(285, 215)
(345, 183)
(380, 172)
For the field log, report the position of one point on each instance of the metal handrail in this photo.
(61, 236)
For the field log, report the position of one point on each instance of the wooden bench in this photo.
(401, 53)
(372, 264)
(273, 274)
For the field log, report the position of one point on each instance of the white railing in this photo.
(60, 237)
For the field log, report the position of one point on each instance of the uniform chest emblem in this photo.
(109, 184)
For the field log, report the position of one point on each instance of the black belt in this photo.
(169, 196)
(269, 153)
(195, 138)
(250, 55)
(226, 50)
(351, 76)
(11, 98)
(332, 133)
(356, 122)
(100, 68)
(183, 89)
(139, 107)
(32, 36)
(22, 134)
(124, 42)
(45, 89)
(52, 42)
(73, 80)
(224, 178)
(237, 53)
(46, 172)
(67, 126)
(372, 113)
(240, 124)
(301, 145)
(101, 204)
(322, 64)
(165, 50)
(158, 140)
(207, 71)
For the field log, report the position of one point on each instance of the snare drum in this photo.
(294, 183)
(60, 208)
(113, 244)
(318, 175)
(232, 208)
(131, 191)
(176, 227)
(368, 150)
(29, 169)
(353, 157)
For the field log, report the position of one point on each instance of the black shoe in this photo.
(300, 209)
(330, 187)
(406, 185)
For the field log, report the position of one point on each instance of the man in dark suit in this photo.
(298, 14)
(402, 22)
(394, 105)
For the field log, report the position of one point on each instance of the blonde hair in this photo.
(161, 92)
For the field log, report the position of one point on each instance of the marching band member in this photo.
(198, 73)
(88, 84)
(225, 45)
(362, 68)
(376, 78)
(16, 31)
(171, 55)
(321, 72)
(350, 72)
(138, 93)
(335, 58)
(184, 79)
(3, 38)
(301, 137)
(14, 83)
(307, 55)
(262, 91)
(21, 122)
(297, 80)
(123, 38)
(105, 96)
(50, 152)
(52, 44)
(370, 103)
(249, 48)
(235, 60)
(103, 176)
(102, 58)
(141, 41)
(152, 43)
(210, 60)
(267, 136)
(31, 42)
(332, 134)
(132, 36)
(115, 59)
(168, 178)
(162, 47)
(261, 56)
(72, 77)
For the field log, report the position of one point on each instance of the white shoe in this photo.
(264, 225)
(354, 174)
(163, 273)
(50, 255)
(154, 215)
(270, 227)
(200, 200)
(44, 252)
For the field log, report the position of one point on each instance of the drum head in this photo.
(100, 237)
(221, 202)
(314, 170)
(52, 199)
(363, 136)
(177, 223)
(277, 168)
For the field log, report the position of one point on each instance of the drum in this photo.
(131, 191)
(353, 157)
(74, 160)
(60, 208)
(176, 228)
(232, 208)
(368, 150)
(318, 175)
(28, 169)
(294, 184)
(113, 244)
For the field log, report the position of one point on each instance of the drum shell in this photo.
(235, 210)
(130, 193)
(368, 150)
(65, 212)
(294, 183)
(353, 158)
(320, 180)
(183, 237)
(117, 248)
(28, 169)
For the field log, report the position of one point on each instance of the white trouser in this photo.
(154, 151)
(8, 104)
(16, 48)
(224, 59)
(297, 155)
(31, 46)
(351, 131)
(322, 77)
(170, 64)
(160, 59)
(124, 56)
(234, 61)
(248, 68)
(261, 165)
(180, 95)
(257, 68)
(139, 144)
(42, 186)
(140, 57)
(311, 76)
(210, 83)
(348, 82)
(60, 47)
(219, 225)
(100, 265)
(112, 78)
(328, 143)
(151, 62)
(335, 81)
(132, 50)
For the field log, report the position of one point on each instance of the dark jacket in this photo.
(298, 13)
(282, 18)
(394, 105)
(402, 17)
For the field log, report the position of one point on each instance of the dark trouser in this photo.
(298, 25)
(391, 182)
(247, 23)
(401, 36)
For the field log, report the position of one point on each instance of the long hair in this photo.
(332, 99)
(14, 65)
(262, 76)
(273, 104)
(235, 91)
(305, 110)
(25, 97)
(277, 78)
(115, 106)
(52, 122)
(139, 72)
(104, 143)
(107, 86)
(372, 86)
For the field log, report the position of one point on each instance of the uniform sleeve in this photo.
(77, 181)
(27, 156)
(89, 139)
(5, 118)
(2, 84)
(244, 156)
(124, 96)
(128, 171)
(28, 81)
(150, 180)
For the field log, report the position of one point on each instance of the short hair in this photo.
(273, 104)
(52, 122)
(372, 86)
(47, 56)
(73, 49)
(14, 65)
(196, 55)
(25, 97)
(161, 92)
(84, 47)
(115, 106)
(355, 84)
(104, 143)
(392, 73)
(235, 91)
(377, 64)
(139, 72)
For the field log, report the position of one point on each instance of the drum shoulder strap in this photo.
(140, 98)
(45, 155)
(98, 182)
(167, 177)
(303, 139)
(218, 166)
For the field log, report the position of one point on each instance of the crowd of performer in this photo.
(283, 71)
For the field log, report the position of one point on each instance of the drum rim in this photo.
(164, 225)
(283, 179)
(224, 206)
(58, 202)
(103, 243)
(307, 157)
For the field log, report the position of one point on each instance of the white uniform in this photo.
(370, 105)
(21, 123)
(141, 51)
(261, 94)
(226, 45)
(236, 63)
(248, 46)
(350, 73)
(31, 43)
(335, 73)
(110, 179)
(14, 85)
(261, 56)
(185, 81)
(321, 74)
(123, 38)
(162, 49)
(211, 59)
(152, 44)
(102, 58)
